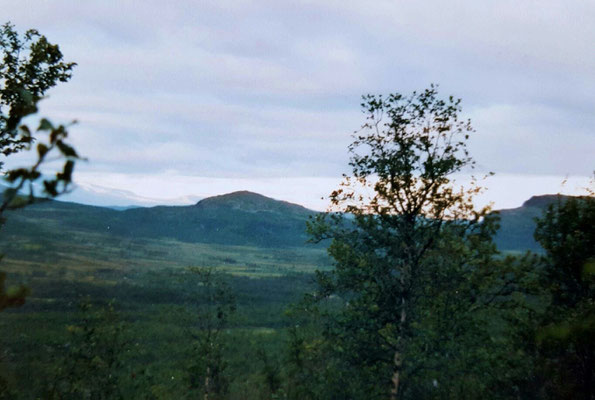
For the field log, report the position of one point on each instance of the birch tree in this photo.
(387, 223)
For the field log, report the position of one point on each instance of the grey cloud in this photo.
(269, 88)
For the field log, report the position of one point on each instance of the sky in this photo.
(181, 100)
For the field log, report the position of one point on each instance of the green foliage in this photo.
(161, 309)
(207, 373)
(91, 367)
(30, 67)
(564, 336)
(12, 296)
(415, 267)
(566, 232)
(271, 371)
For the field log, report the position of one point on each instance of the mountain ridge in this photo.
(237, 218)
(517, 225)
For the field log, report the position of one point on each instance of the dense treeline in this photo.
(153, 324)
(419, 303)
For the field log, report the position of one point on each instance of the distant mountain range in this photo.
(118, 198)
(239, 218)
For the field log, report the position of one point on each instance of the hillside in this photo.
(238, 219)
(518, 224)
(65, 252)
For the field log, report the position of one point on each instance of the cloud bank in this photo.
(268, 91)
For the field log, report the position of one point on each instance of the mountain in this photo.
(109, 197)
(238, 218)
(252, 203)
(518, 224)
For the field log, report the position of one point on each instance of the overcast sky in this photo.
(178, 100)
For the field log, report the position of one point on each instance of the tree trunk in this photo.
(207, 384)
(397, 358)
(394, 392)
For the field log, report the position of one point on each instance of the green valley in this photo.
(139, 258)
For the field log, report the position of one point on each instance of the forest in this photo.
(398, 291)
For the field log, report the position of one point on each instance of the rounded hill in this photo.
(251, 202)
